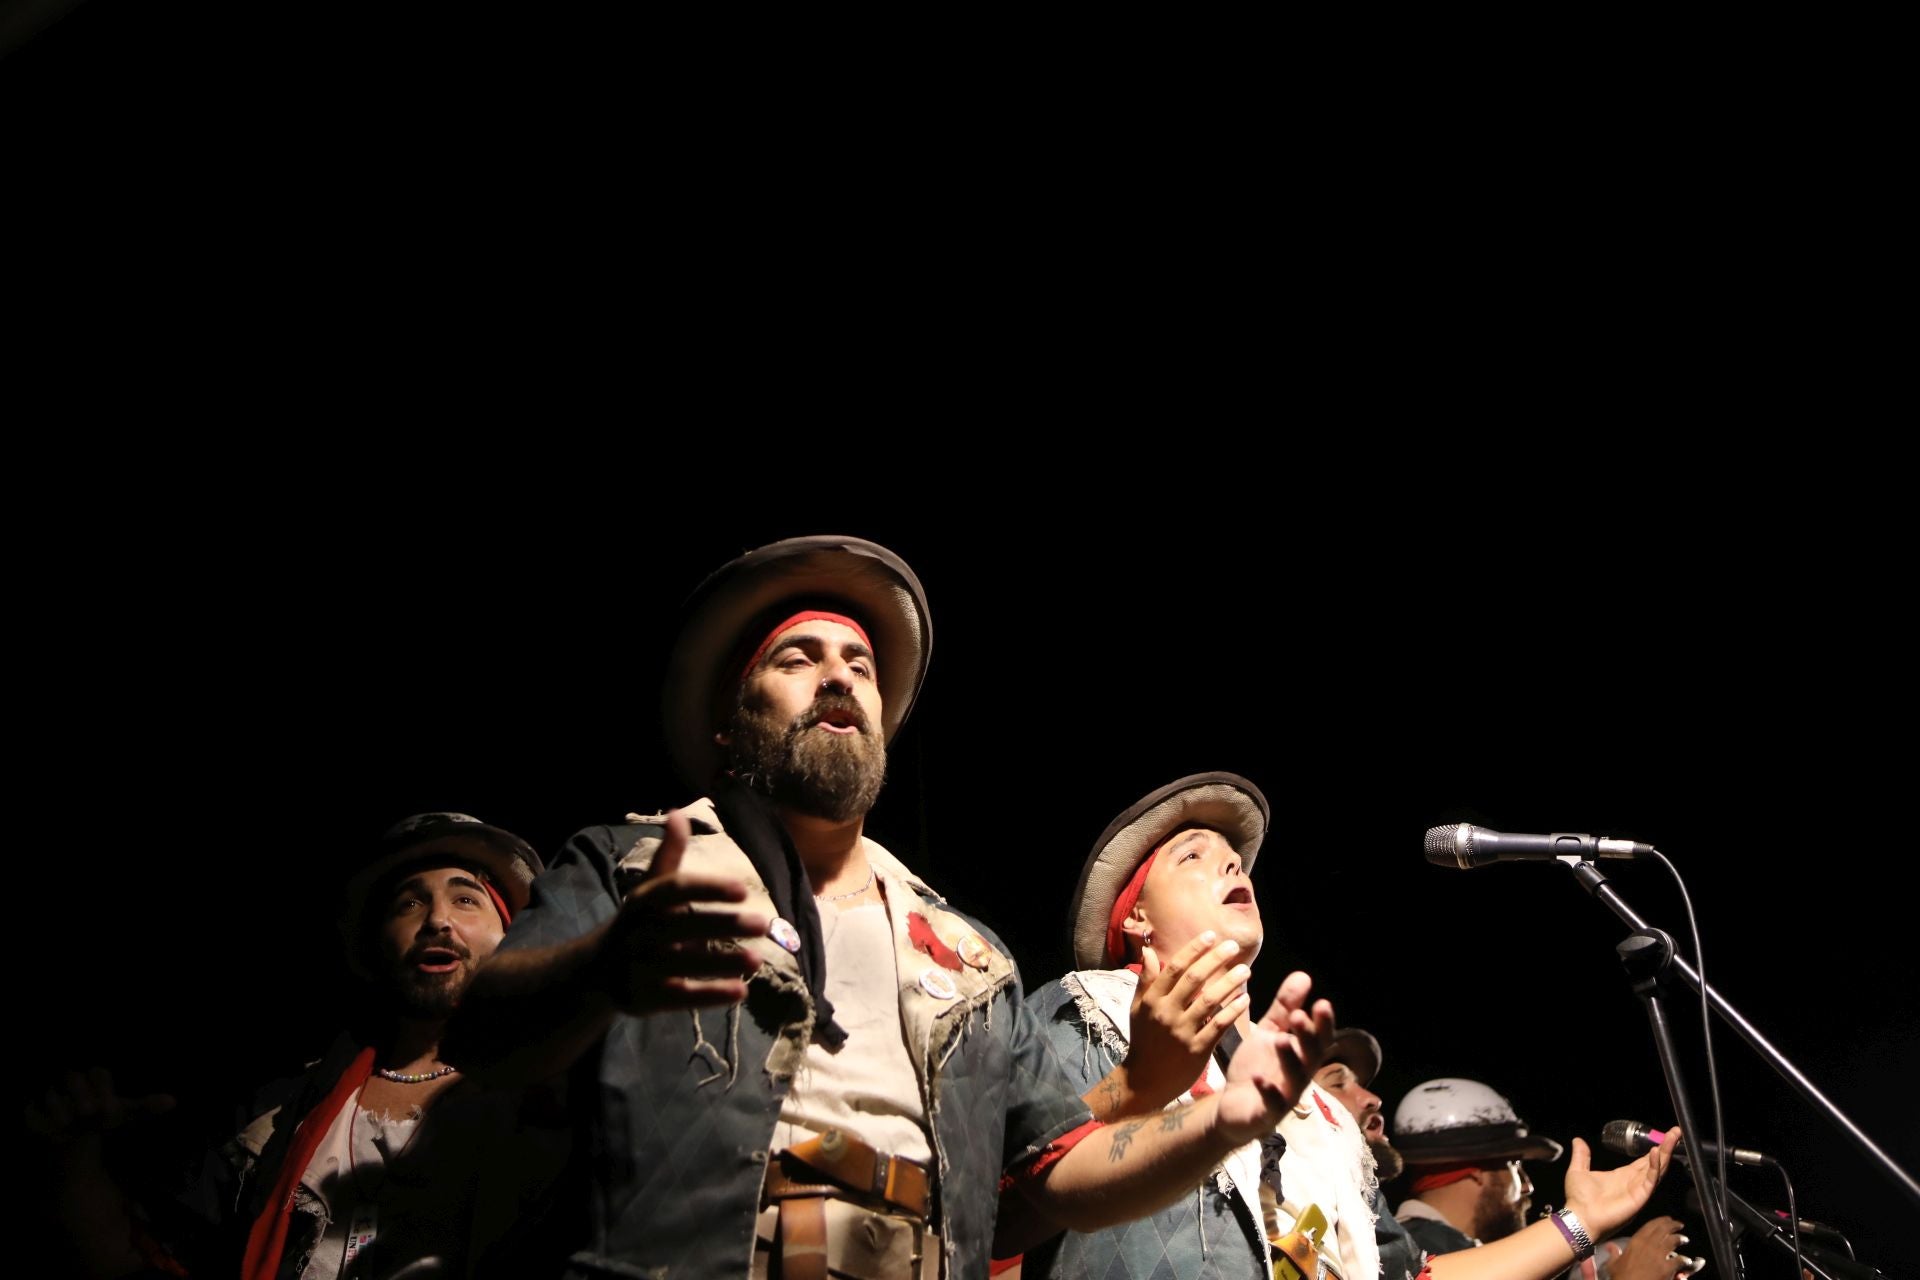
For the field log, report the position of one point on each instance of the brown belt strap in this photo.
(854, 1166)
(800, 1239)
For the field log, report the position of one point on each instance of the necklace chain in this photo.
(414, 1077)
(842, 897)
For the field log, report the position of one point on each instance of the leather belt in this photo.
(849, 1166)
(838, 1165)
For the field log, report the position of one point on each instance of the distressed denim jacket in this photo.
(675, 1112)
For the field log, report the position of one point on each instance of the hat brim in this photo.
(1358, 1051)
(872, 584)
(1226, 802)
(510, 863)
(1485, 1142)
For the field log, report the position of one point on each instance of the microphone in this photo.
(1463, 846)
(1633, 1139)
(1808, 1227)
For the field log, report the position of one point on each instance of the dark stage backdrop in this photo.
(263, 709)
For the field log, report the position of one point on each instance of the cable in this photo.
(1706, 1039)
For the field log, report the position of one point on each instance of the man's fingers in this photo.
(1230, 1011)
(1581, 1160)
(1223, 989)
(696, 926)
(687, 886)
(1175, 967)
(698, 962)
(1292, 995)
(1658, 1158)
(1202, 970)
(673, 847)
(1294, 990)
(689, 994)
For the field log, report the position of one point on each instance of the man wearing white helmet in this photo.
(1465, 1149)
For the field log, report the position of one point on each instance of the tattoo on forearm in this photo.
(1122, 1139)
(1172, 1120)
(1110, 1089)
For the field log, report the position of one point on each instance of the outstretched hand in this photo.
(1604, 1200)
(86, 1107)
(1657, 1251)
(1180, 1011)
(667, 948)
(1275, 1064)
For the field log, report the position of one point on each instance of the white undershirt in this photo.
(347, 1176)
(869, 1088)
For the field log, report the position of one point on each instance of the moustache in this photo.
(419, 950)
(845, 705)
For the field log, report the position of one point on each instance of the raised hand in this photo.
(1654, 1253)
(1605, 1200)
(662, 951)
(1276, 1062)
(86, 1106)
(1180, 1011)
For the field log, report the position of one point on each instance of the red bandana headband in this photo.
(1123, 907)
(805, 615)
(1440, 1176)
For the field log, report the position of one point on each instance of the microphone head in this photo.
(1450, 846)
(1626, 1137)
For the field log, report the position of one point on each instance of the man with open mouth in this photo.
(1165, 926)
(789, 1055)
(379, 1160)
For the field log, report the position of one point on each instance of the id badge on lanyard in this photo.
(366, 1223)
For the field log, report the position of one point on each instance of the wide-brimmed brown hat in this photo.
(427, 838)
(1226, 802)
(729, 613)
(1358, 1051)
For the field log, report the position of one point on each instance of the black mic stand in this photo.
(1775, 1234)
(1647, 955)
(1590, 879)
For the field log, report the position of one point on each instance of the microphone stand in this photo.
(1776, 1235)
(1589, 878)
(1647, 955)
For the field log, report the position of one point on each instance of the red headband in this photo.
(499, 903)
(805, 615)
(1123, 907)
(1440, 1176)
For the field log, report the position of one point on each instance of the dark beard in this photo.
(429, 997)
(1386, 1161)
(1497, 1219)
(826, 775)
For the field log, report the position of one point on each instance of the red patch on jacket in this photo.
(1326, 1110)
(925, 939)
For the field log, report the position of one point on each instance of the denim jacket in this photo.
(675, 1112)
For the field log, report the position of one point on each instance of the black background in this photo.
(398, 425)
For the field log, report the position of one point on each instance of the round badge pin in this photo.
(974, 950)
(784, 934)
(937, 984)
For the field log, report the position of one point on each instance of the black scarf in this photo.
(749, 818)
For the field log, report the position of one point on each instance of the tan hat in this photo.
(1226, 802)
(728, 613)
(510, 864)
